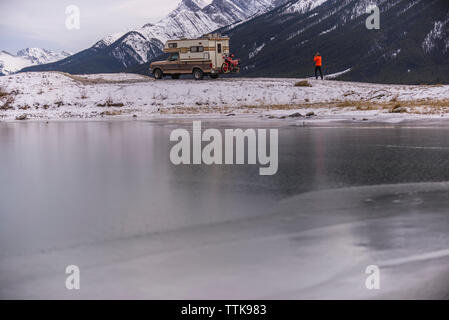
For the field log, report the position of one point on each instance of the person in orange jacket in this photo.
(318, 64)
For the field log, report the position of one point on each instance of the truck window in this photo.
(173, 45)
(219, 48)
(173, 57)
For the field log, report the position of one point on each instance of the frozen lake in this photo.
(103, 195)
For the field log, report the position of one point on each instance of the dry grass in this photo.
(226, 110)
(111, 113)
(83, 95)
(7, 104)
(110, 103)
(3, 92)
(411, 106)
(347, 94)
(59, 103)
(414, 107)
(87, 81)
(303, 83)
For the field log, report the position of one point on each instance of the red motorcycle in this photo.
(230, 65)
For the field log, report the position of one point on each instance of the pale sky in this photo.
(41, 23)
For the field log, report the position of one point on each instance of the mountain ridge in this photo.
(11, 63)
(412, 45)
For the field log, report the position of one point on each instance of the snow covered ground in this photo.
(52, 95)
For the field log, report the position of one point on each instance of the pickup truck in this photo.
(208, 55)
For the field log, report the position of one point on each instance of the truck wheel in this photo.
(214, 76)
(175, 76)
(158, 74)
(198, 74)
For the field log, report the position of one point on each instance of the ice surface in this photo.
(317, 245)
(102, 195)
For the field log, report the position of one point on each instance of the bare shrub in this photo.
(83, 95)
(59, 103)
(8, 103)
(397, 108)
(22, 117)
(303, 83)
(3, 92)
(110, 103)
(111, 113)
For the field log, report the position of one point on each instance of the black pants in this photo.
(316, 72)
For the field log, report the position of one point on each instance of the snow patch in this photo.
(328, 30)
(337, 74)
(303, 6)
(256, 51)
(439, 32)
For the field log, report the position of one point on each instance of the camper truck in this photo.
(208, 55)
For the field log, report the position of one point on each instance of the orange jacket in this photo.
(318, 61)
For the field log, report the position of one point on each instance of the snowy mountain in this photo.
(278, 38)
(192, 18)
(41, 56)
(10, 63)
(412, 45)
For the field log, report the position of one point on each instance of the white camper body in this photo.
(208, 48)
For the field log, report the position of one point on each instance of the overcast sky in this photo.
(41, 23)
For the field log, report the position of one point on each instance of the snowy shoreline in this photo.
(56, 96)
